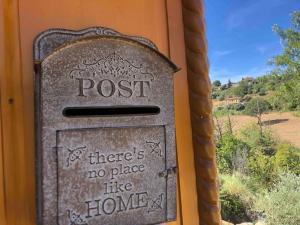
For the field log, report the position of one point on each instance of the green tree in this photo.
(241, 90)
(287, 95)
(256, 107)
(289, 61)
(217, 83)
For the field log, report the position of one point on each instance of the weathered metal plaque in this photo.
(111, 180)
(105, 130)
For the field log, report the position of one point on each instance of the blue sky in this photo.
(240, 37)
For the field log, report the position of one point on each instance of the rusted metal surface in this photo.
(105, 132)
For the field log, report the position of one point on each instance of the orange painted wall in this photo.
(20, 22)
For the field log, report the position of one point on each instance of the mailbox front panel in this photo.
(107, 175)
(105, 131)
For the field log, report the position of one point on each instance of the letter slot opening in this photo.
(111, 111)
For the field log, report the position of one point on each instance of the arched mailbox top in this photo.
(123, 40)
(53, 40)
(48, 40)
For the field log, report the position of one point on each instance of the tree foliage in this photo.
(217, 83)
(289, 61)
(257, 106)
(287, 95)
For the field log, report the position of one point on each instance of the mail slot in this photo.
(105, 133)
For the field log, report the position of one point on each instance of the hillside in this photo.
(285, 126)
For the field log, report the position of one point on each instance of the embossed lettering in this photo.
(96, 173)
(142, 87)
(110, 87)
(126, 169)
(94, 207)
(110, 202)
(84, 84)
(117, 204)
(142, 199)
(125, 89)
(122, 203)
(115, 187)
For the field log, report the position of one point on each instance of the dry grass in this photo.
(285, 126)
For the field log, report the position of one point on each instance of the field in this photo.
(285, 126)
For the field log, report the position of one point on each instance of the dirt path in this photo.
(284, 125)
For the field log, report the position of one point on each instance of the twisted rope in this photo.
(201, 112)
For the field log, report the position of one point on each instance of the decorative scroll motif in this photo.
(75, 154)
(156, 204)
(112, 64)
(75, 219)
(155, 148)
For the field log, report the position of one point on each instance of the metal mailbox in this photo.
(105, 133)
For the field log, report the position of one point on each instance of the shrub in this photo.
(229, 156)
(246, 98)
(252, 136)
(232, 208)
(242, 89)
(297, 113)
(221, 97)
(260, 162)
(261, 168)
(281, 206)
(214, 95)
(239, 107)
(262, 92)
(287, 158)
(236, 198)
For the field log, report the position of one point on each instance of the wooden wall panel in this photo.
(23, 20)
(14, 156)
(187, 176)
(2, 199)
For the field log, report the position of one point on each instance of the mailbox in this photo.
(105, 132)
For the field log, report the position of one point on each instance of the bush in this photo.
(214, 95)
(232, 208)
(287, 158)
(221, 97)
(262, 92)
(281, 206)
(261, 168)
(246, 98)
(236, 198)
(252, 136)
(297, 113)
(260, 162)
(230, 155)
(239, 107)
